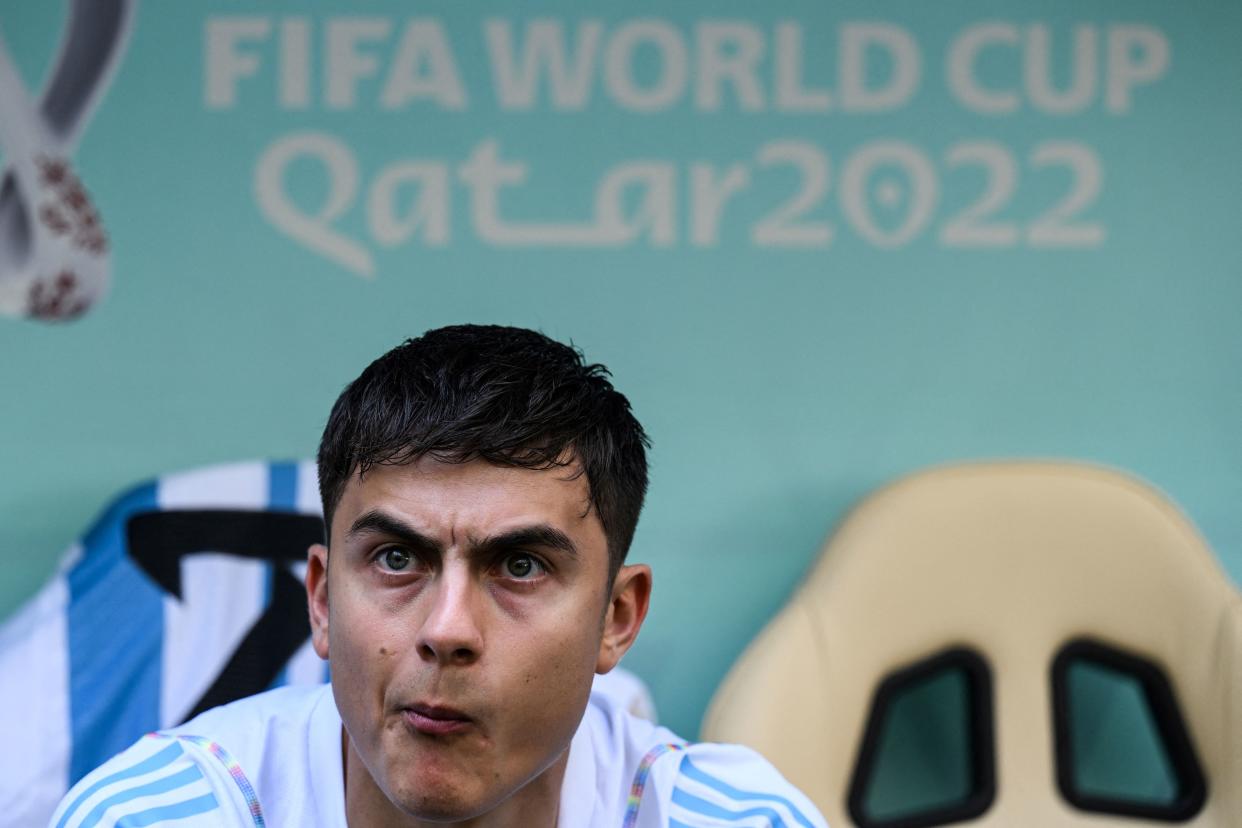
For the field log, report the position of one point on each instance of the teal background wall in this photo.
(780, 380)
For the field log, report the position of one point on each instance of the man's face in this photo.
(463, 608)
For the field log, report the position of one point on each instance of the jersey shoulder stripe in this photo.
(169, 813)
(164, 778)
(233, 768)
(773, 818)
(700, 794)
(144, 785)
(639, 785)
(144, 767)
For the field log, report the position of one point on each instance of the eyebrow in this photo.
(382, 523)
(538, 535)
(541, 535)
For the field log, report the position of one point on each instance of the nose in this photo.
(451, 633)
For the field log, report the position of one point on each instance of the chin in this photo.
(436, 808)
(443, 802)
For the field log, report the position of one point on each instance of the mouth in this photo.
(436, 720)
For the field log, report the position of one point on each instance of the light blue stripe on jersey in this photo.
(151, 763)
(701, 806)
(282, 487)
(691, 771)
(180, 779)
(168, 813)
(116, 631)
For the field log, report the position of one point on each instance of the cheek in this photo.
(363, 644)
(554, 655)
(549, 627)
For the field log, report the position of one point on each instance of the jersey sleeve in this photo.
(159, 780)
(729, 784)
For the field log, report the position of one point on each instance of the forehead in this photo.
(475, 498)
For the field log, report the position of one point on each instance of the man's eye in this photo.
(522, 566)
(396, 558)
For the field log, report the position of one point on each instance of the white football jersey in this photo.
(108, 651)
(275, 760)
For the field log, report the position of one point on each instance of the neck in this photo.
(534, 805)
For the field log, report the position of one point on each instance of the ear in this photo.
(317, 597)
(627, 607)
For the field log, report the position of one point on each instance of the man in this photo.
(480, 486)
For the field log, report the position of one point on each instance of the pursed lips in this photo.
(436, 720)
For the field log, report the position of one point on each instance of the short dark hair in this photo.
(510, 396)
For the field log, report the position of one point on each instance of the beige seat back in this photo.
(1012, 560)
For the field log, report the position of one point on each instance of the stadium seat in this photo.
(1017, 644)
